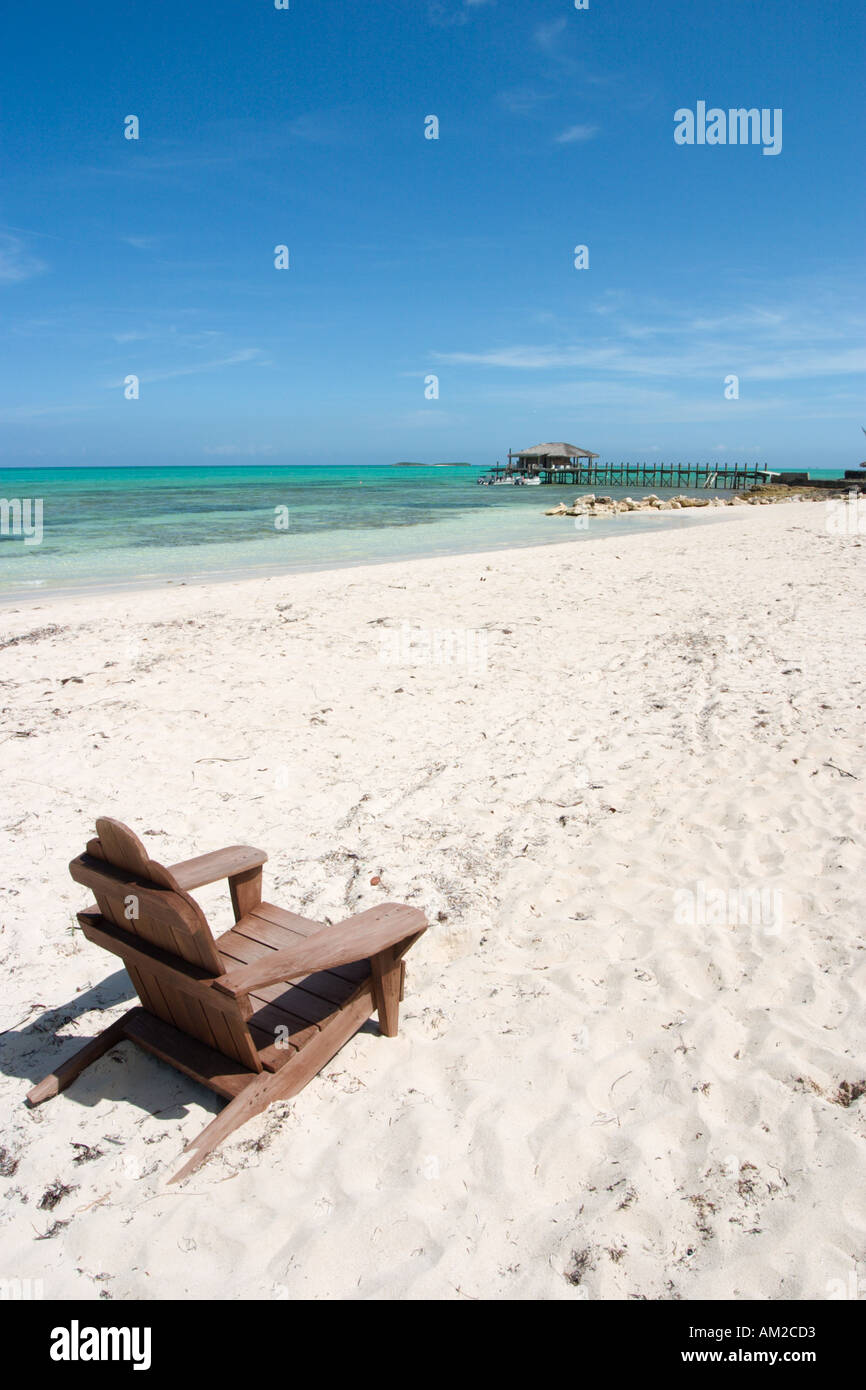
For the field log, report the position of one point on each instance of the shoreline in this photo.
(155, 584)
(95, 545)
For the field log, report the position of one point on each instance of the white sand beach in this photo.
(631, 806)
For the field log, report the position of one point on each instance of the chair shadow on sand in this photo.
(123, 1074)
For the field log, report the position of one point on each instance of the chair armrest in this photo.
(366, 934)
(220, 863)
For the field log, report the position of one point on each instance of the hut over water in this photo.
(566, 464)
(548, 456)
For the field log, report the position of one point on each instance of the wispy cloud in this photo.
(141, 243)
(548, 37)
(807, 338)
(171, 160)
(336, 127)
(30, 231)
(11, 414)
(559, 41)
(446, 13)
(692, 361)
(645, 403)
(227, 143)
(16, 262)
(169, 334)
(577, 135)
(243, 356)
(522, 101)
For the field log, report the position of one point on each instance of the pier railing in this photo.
(733, 478)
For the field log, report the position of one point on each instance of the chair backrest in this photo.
(142, 897)
(163, 938)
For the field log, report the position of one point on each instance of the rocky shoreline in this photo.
(592, 504)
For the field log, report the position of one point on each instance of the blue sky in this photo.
(412, 257)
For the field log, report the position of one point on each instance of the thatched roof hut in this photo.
(549, 455)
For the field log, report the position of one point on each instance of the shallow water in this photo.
(126, 527)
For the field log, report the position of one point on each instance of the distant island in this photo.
(406, 463)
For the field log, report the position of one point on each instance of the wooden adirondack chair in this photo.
(222, 1010)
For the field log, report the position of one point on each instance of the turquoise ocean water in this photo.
(123, 527)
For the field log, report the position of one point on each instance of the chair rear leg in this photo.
(66, 1073)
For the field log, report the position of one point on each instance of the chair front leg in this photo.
(387, 980)
(246, 891)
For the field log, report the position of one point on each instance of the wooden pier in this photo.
(576, 473)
